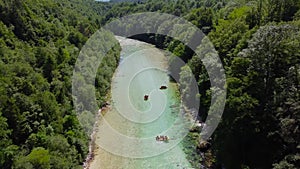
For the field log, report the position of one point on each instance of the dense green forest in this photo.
(258, 42)
(39, 43)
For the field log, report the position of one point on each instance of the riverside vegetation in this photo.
(258, 43)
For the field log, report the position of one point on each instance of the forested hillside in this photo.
(258, 42)
(39, 43)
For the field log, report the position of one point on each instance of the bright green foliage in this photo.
(39, 43)
(229, 32)
(38, 158)
(202, 18)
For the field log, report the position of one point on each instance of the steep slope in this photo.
(39, 43)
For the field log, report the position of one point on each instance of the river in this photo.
(125, 135)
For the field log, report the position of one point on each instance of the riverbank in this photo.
(92, 145)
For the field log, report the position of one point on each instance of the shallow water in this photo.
(126, 134)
